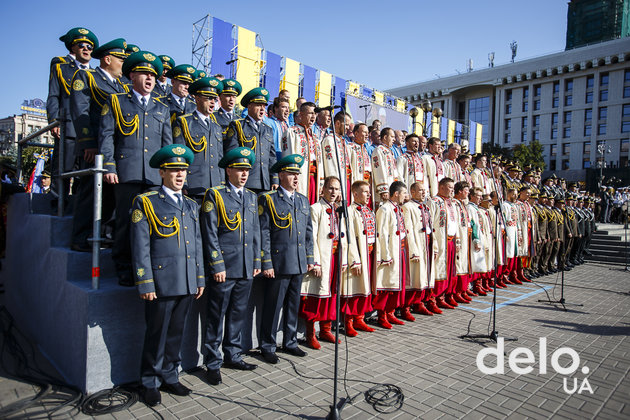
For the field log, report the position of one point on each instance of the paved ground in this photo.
(435, 369)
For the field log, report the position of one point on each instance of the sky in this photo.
(382, 44)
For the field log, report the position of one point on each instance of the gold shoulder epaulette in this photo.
(158, 99)
(195, 146)
(121, 123)
(231, 224)
(154, 220)
(244, 141)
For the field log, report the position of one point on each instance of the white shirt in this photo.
(109, 76)
(173, 194)
(202, 117)
(139, 97)
(235, 189)
(228, 113)
(290, 194)
(178, 99)
(258, 123)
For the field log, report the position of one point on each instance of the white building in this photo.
(570, 101)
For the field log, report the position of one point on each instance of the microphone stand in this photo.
(494, 334)
(342, 213)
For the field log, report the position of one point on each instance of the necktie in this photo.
(179, 200)
(181, 103)
(207, 122)
(240, 194)
(143, 101)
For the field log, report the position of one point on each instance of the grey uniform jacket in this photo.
(167, 265)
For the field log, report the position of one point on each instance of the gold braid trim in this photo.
(244, 141)
(62, 81)
(551, 214)
(121, 123)
(276, 217)
(196, 147)
(154, 221)
(96, 91)
(541, 214)
(231, 224)
(571, 215)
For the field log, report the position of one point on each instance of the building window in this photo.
(603, 95)
(537, 105)
(586, 148)
(565, 164)
(588, 115)
(553, 150)
(626, 76)
(524, 136)
(589, 98)
(603, 79)
(567, 117)
(508, 109)
(601, 129)
(568, 100)
(554, 133)
(535, 135)
(587, 130)
(536, 120)
(566, 148)
(525, 107)
(590, 82)
(566, 132)
(625, 146)
(556, 102)
(508, 138)
(556, 87)
(626, 110)
(479, 111)
(525, 92)
(508, 95)
(508, 125)
(626, 92)
(552, 165)
(586, 163)
(524, 122)
(625, 126)
(554, 118)
(537, 90)
(568, 85)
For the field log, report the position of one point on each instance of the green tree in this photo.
(530, 154)
(496, 150)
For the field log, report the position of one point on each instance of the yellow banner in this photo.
(435, 127)
(401, 106)
(249, 61)
(450, 136)
(323, 89)
(478, 138)
(354, 88)
(291, 79)
(417, 129)
(379, 97)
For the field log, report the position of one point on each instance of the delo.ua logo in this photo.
(522, 360)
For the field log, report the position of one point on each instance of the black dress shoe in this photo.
(176, 389)
(239, 365)
(151, 396)
(213, 376)
(270, 357)
(294, 351)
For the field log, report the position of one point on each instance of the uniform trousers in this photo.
(165, 319)
(281, 293)
(226, 300)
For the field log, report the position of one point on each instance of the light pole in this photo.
(426, 108)
(602, 150)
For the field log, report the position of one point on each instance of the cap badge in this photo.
(179, 150)
(149, 57)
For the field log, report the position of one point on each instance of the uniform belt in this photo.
(312, 167)
(335, 246)
(451, 238)
(403, 242)
(370, 247)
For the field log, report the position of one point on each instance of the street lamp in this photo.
(426, 108)
(602, 150)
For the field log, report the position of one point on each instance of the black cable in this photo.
(109, 401)
(385, 398)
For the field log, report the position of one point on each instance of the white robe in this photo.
(439, 221)
(434, 170)
(296, 141)
(384, 171)
(360, 164)
(411, 170)
(387, 277)
(358, 255)
(330, 152)
(462, 257)
(418, 238)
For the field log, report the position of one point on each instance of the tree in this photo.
(530, 154)
(496, 150)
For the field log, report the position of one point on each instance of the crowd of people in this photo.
(209, 199)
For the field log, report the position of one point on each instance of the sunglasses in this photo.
(85, 45)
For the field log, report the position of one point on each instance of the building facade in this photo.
(592, 21)
(571, 102)
(17, 127)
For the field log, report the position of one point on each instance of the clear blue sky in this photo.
(382, 44)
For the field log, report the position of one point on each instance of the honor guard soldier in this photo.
(168, 269)
(199, 74)
(287, 254)
(91, 89)
(231, 238)
(133, 127)
(200, 131)
(131, 48)
(80, 43)
(227, 99)
(253, 133)
(178, 101)
(162, 88)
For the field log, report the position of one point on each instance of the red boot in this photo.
(521, 276)
(350, 331)
(514, 278)
(461, 297)
(382, 320)
(359, 324)
(422, 310)
(393, 320)
(477, 287)
(311, 340)
(500, 283)
(324, 332)
(451, 300)
(432, 306)
(406, 314)
(471, 293)
(441, 303)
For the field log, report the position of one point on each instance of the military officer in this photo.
(200, 131)
(133, 127)
(231, 238)
(80, 43)
(287, 255)
(227, 99)
(91, 89)
(162, 87)
(178, 101)
(131, 48)
(252, 132)
(168, 271)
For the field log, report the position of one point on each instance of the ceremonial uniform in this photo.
(177, 105)
(167, 260)
(462, 257)
(434, 170)
(129, 134)
(232, 244)
(384, 171)
(480, 179)
(164, 89)
(224, 116)
(299, 140)
(335, 158)
(445, 220)
(360, 164)
(419, 230)
(287, 248)
(411, 170)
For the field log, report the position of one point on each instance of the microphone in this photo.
(364, 106)
(231, 61)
